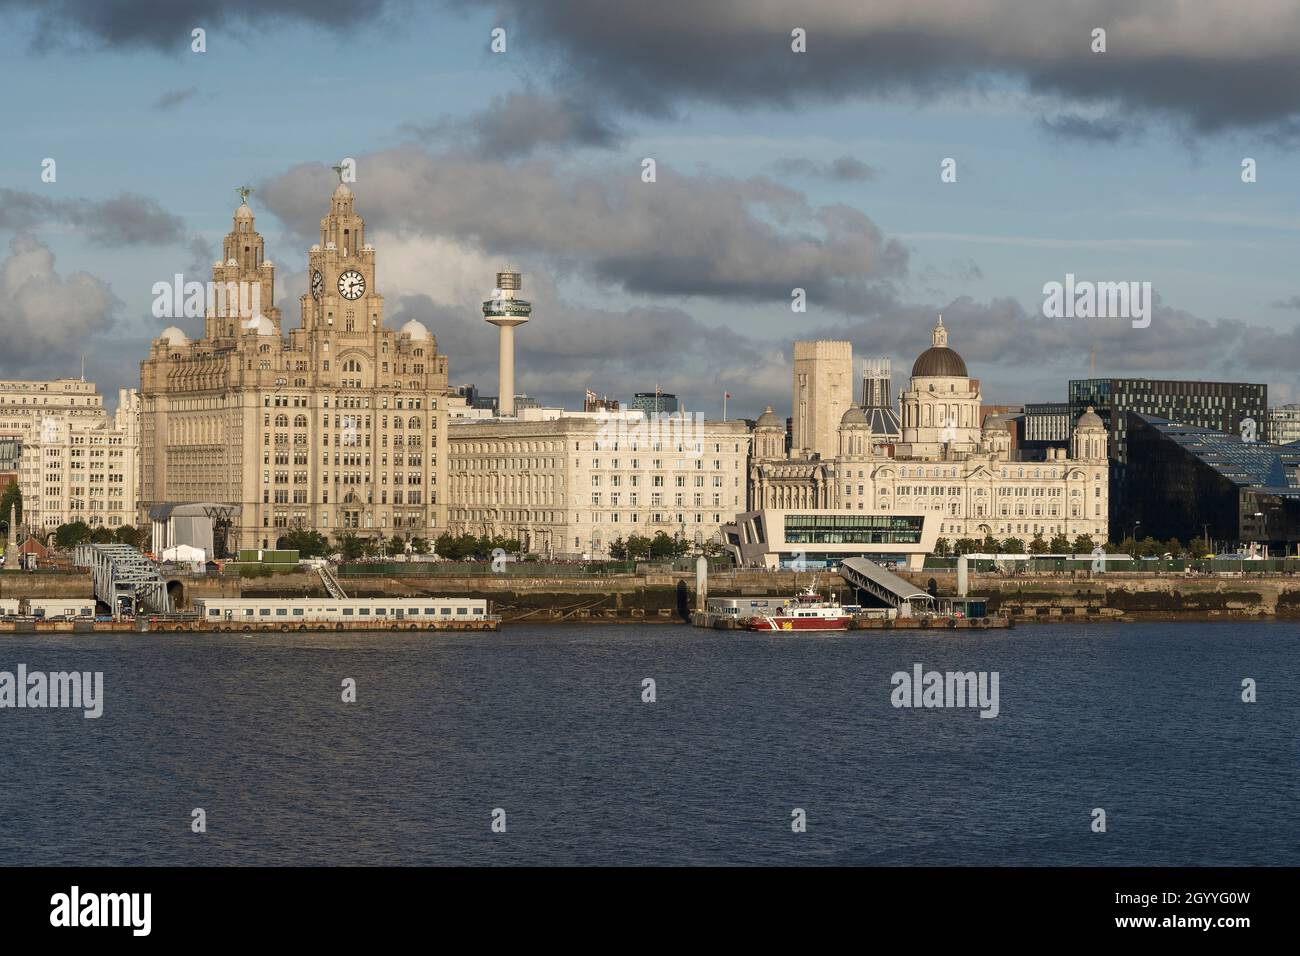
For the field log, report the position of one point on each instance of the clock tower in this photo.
(341, 273)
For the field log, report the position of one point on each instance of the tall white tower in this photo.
(505, 311)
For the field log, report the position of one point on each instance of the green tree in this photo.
(1129, 546)
(638, 546)
(1175, 547)
(129, 534)
(12, 495)
(308, 543)
(101, 535)
(1150, 547)
(989, 545)
(72, 534)
(349, 545)
(618, 549)
(445, 546)
(1059, 544)
(419, 545)
(942, 547)
(1013, 546)
(1038, 545)
(1083, 544)
(662, 546)
(966, 546)
(396, 545)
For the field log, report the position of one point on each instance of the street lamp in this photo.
(1133, 535)
(1263, 521)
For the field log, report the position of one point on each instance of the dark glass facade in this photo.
(852, 529)
(1220, 406)
(1189, 483)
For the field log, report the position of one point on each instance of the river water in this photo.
(548, 724)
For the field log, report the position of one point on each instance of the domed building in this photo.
(934, 467)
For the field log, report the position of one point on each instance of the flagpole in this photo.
(724, 405)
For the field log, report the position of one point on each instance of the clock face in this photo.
(352, 284)
(317, 284)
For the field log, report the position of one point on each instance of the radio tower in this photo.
(505, 312)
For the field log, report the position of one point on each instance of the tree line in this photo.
(1060, 544)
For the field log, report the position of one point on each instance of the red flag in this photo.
(726, 395)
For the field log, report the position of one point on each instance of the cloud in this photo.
(521, 123)
(1212, 68)
(166, 25)
(1292, 303)
(1103, 129)
(46, 319)
(174, 98)
(128, 219)
(707, 235)
(568, 345)
(843, 170)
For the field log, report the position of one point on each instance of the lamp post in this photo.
(1133, 535)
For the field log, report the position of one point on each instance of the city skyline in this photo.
(686, 281)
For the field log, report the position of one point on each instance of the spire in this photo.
(939, 337)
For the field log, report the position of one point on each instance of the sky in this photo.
(775, 170)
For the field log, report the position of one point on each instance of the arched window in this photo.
(300, 421)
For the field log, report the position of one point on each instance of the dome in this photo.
(243, 212)
(997, 422)
(174, 336)
(939, 361)
(341, 191)
(261, 324)
(1090, 419)
(769, 420)
(416, 330)
(854, 416)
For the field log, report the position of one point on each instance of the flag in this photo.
(726, 395)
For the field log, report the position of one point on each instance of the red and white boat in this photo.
(806, 611)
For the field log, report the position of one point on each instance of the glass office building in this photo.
(1223, 407)
(1197, 483)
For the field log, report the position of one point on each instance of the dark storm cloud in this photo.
(1292, 303)
(1000, 336)
(749, 240)
(127, 219)
(522, 122)
(843, 170)
(166, 24)
(1214, 65)
(173, 98)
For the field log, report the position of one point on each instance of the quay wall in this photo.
(671, 596)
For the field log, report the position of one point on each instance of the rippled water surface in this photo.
(1143, 720)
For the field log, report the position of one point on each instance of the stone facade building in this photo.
(75, 461)
(946, 463)
(338, 426)
(570, 486)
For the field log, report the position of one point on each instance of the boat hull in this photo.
(778, 623)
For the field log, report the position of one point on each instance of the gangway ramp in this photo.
(887, 587)
(124, 578)
(332, 586)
